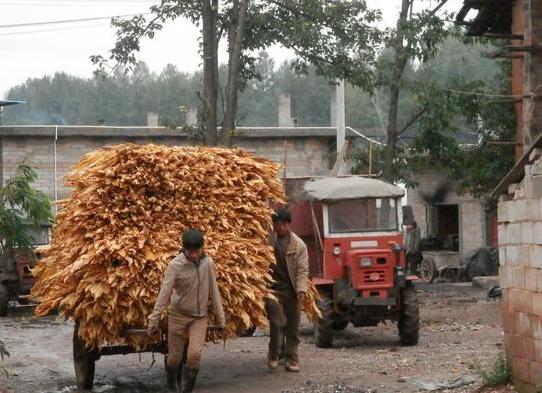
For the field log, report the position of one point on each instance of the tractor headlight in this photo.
(396, 247)
(365, 262)
(336, 251)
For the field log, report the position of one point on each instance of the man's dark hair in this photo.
(282, 215)
(192, 239)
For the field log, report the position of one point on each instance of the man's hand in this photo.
(301, 296)
(152, 331)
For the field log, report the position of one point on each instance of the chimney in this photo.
(192, 116)
(285, 118)
(152, 119)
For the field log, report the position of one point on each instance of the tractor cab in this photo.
(356, 255)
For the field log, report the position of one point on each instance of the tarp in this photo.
(350, 187)
(480, 262)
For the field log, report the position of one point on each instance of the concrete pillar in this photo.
(192, 116)
(152, 119)
(340, 117)
(285, 116)
(333, 105)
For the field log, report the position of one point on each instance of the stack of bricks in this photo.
(520, 253)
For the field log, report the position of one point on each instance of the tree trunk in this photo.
(235, 45)
(400, 61)
(210, 68)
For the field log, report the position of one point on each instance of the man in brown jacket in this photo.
(189, 285)
(290, 275)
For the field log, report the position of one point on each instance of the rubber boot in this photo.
(172, 375)
(189, 380)
(179, 378)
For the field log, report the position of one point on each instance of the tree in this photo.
(415, 37)
(21, 208)
(319, 31)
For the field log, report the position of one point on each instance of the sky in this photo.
(38, 50)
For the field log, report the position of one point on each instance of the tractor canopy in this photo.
(356, 205)
(329, 189)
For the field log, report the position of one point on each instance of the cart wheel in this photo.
(84, 362)
(248, 333)
(339, 324)
(4, 300)
(428, 270)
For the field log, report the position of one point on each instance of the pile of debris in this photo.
(122, 224)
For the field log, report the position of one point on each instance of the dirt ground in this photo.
(460, 332)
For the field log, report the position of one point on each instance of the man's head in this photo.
(281, 221)
(193, 244)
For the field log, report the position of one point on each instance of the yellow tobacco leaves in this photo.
(121, 225)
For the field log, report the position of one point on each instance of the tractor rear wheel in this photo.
(409, 317)
(323, 329)
(84, 362)
(339, 324)
(4, 300)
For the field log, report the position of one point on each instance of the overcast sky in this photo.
(34, 51)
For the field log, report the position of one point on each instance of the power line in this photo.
(51, 30)
(55, 22)
(77, 4)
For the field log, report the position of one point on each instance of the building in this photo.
(55, 149)
(520, 203)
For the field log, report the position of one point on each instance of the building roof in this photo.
(516, 174)
(350, 187)
(159, 132)
(494, 17)
(11, 102)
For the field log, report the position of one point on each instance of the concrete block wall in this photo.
(520, 254)
(305, 155)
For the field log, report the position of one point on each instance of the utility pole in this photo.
(340, 120)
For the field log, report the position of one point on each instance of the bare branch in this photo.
(412, 121)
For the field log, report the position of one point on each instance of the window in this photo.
(362, 215)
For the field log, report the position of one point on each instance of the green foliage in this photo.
(3, 351)
(498, 373)
(21, 208)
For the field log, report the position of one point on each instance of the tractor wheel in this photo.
(84, 362)
(409, 317)
(339, 324)
(323, 329)
(428, 270)
(4, 300)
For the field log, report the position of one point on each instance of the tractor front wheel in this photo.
(323, 329)
(84, 362)
(4, 300)
(409, 317)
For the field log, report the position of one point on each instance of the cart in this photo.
(84, 359)
(440, 264)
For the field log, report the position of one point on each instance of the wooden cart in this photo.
(440, 264)
(84, 360)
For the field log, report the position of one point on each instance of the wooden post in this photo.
(340, 158)
(284, 163)
(370, 158)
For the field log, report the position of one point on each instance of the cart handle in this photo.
(143, 332)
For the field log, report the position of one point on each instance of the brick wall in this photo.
(305, 155)
(520, 254)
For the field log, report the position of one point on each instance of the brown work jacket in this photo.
(188, 288)
(297, 259)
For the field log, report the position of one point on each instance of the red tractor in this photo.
(16, 280)
(351, 226)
